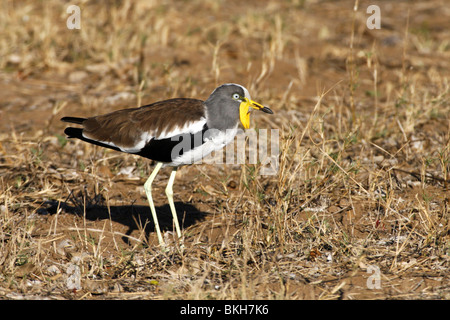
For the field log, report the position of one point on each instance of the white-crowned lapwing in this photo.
(172, 132)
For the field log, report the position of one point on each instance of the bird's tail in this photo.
(73, 120)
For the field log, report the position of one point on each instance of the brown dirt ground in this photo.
(67, 205)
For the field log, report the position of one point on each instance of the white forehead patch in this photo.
(246, 93)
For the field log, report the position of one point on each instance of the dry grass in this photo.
(364, 167)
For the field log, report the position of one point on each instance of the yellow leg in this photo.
(148, 191)
(169, 193)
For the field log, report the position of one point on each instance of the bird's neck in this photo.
(218, 118)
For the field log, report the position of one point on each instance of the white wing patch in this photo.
(189, 127)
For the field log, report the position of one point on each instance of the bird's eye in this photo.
(236, 96)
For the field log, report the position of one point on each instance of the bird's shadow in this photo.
(135, 217)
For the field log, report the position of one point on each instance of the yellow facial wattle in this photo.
(244, 111)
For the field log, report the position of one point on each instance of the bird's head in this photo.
(238, 98)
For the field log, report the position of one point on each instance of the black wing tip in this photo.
(77, 133)
(73, 132)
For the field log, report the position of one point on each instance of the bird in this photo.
(173, 132)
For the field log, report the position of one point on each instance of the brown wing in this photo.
(127, 128)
